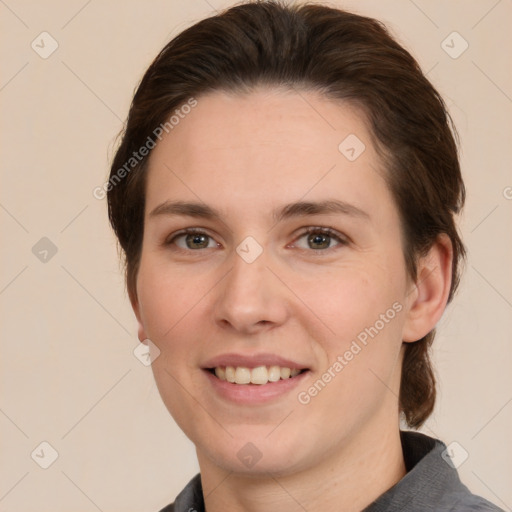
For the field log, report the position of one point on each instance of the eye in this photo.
(192, 239)
(319, 239)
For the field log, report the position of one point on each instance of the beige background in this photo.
(68, 373)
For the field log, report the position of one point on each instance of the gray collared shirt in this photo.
(430, 485)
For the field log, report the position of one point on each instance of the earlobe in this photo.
(431, 290)
(134, 301)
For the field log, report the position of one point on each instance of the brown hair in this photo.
(343, 56)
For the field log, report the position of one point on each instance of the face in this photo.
(271, 254)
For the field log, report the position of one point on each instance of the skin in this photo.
(246, 155)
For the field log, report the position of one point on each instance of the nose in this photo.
(251, 299)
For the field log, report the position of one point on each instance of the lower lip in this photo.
(253, 393)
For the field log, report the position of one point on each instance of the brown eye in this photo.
(197, 241)
(192, 240)
(319, 239)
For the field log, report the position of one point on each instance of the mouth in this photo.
(259, 375)
(254, 379)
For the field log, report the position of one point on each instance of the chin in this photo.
(257, 454)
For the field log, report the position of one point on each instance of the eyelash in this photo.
(338, 237)
(325, 231)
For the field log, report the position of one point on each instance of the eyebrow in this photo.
(297, 209)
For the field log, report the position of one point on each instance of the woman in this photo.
(284, 194)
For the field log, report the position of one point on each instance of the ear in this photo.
(429, 294)
(134, 301)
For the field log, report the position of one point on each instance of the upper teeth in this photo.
(258, 375)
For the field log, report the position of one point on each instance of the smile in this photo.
(259, 375)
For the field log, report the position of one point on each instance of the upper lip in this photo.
(252, 361)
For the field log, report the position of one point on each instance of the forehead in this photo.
(264, 148)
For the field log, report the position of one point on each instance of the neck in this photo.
(350, 479)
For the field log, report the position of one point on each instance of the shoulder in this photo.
(440, 480)
(465, 501)
(431, 482)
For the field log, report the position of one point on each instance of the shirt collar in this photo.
(429, 479)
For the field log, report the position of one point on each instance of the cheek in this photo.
(350, 299)
(362, 364)
(170, 305)
(167, 298)
(170, 309)
(362, 313)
